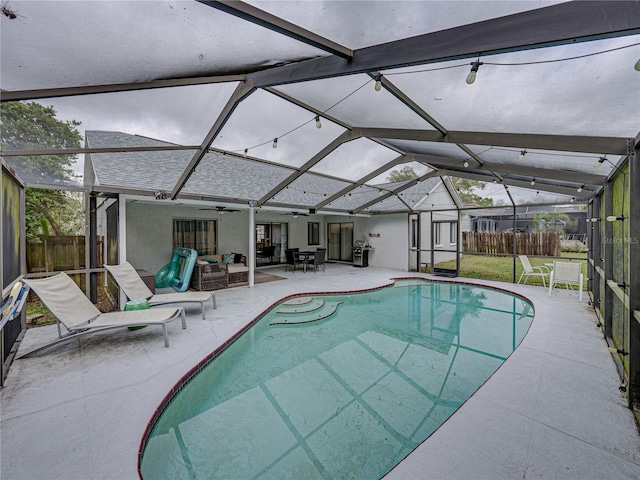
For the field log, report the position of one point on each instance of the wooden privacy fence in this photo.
(55, 254)
(545, 244)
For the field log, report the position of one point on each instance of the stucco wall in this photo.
(391, 246)
(149, 242)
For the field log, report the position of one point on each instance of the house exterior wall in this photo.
(149, 239)
(391, 248)
(149, 231)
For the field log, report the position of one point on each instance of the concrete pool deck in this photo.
(553, 410)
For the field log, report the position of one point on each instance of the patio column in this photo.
(252, 245)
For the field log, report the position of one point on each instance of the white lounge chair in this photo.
(75, 311)
(529, 271)
(135, 289)
(568, 273)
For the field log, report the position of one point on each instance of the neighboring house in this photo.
(143, 227)
(501, 219)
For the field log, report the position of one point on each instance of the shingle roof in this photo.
(234, 178)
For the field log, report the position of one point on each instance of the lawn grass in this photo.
(501, 268)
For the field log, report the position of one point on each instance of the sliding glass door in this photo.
(340, 241)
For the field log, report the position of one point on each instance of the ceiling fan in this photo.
(221, 210)
(297, 214)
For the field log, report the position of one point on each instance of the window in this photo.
(197, 234)
(313, 236)
(414, 232)
(436, 233)
(453, 233)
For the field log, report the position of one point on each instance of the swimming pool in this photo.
(335, 386)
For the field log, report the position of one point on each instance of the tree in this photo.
(467, 191)
(550, 222)
(405, 173)
(31, 126)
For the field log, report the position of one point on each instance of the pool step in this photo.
(300, 305)
(327, 309)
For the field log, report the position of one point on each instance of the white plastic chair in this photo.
(529, 271)
(568, 273)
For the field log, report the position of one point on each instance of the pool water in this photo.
(336, 386)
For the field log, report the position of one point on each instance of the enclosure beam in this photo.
(564, 23)
(93, 249)
(19, 95)
(345, 137)
(515, 169)
(562, 143)
(264, 19)
(634, 280)
(570, 191)
(241, 92)
(77, 151)
(605, 230)
(396, 161)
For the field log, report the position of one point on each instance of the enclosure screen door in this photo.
(340, 241)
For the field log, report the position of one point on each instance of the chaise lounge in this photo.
(79, 316)
(135, 289)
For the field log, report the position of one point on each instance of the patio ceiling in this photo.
(218, 81)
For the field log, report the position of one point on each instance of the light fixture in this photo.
(573, 199)
(522, 154)
(538, 192)
(465, 164)
(613, 218)
(474, 70)
(378, 79)
(579, 189)
(599, 163)
(224, 155)
(637, 65)
(418, 181)
(246, 152)
(593, 220)
(318, 124)
(533, 181)
(275, 143)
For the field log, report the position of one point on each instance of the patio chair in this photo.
(568, 273)
(292, 260)
(79, 316)
(135, 289)
(318, 259)
(529, 271)
(268, 253)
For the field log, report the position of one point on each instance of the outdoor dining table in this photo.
(305, 256)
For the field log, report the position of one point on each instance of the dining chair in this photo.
(318, 259)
